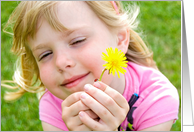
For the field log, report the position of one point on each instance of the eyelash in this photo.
(79, 41)
(45, 55)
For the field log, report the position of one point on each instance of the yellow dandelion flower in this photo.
(116, 60)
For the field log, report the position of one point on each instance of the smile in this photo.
(74, 81)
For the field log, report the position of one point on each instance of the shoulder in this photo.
(137, 74)
(147, 79)
(50, 110)
(142, 72)
(158, 99)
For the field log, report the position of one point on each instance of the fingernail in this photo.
(81, 114)
(84, 95)
(95, 80)
(97, 84)
(87, 87)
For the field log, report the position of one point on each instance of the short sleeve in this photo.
(158, 99)
(158, 102)
(50, 111)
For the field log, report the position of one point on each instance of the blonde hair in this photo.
(25, 18)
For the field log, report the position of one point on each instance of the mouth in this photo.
(74, 81)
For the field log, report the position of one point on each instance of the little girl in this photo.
(60, 46)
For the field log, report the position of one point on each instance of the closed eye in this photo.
(78, 41)
(44, 55)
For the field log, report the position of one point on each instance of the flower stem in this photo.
(102, 74)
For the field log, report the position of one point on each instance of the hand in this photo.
(71, 106)
(110, 106)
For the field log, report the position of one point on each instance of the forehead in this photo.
(73, 13)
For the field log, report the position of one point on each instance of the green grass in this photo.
(161, 26)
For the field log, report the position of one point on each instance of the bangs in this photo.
(28, 20)
(46, 11)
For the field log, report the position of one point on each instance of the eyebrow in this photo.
(70, 31)
(40, 46)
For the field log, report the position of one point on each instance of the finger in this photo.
(73, 110)
(73, 122)
(77, 107)
(89, 122)
(71, 99)
(122, 103)
(91, 114)
(115, 95)
(103, 99)
(97, 108)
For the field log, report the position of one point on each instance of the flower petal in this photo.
(116, 60)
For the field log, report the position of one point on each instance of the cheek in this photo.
(45, 75)
(96, 65)
(91, 60)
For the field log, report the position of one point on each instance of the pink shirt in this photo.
(157, 102)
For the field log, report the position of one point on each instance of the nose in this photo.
(64, 61)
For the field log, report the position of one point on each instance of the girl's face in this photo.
(67, 61)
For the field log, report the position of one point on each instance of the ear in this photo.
(123, 40)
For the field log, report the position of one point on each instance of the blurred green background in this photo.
(160, 22)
